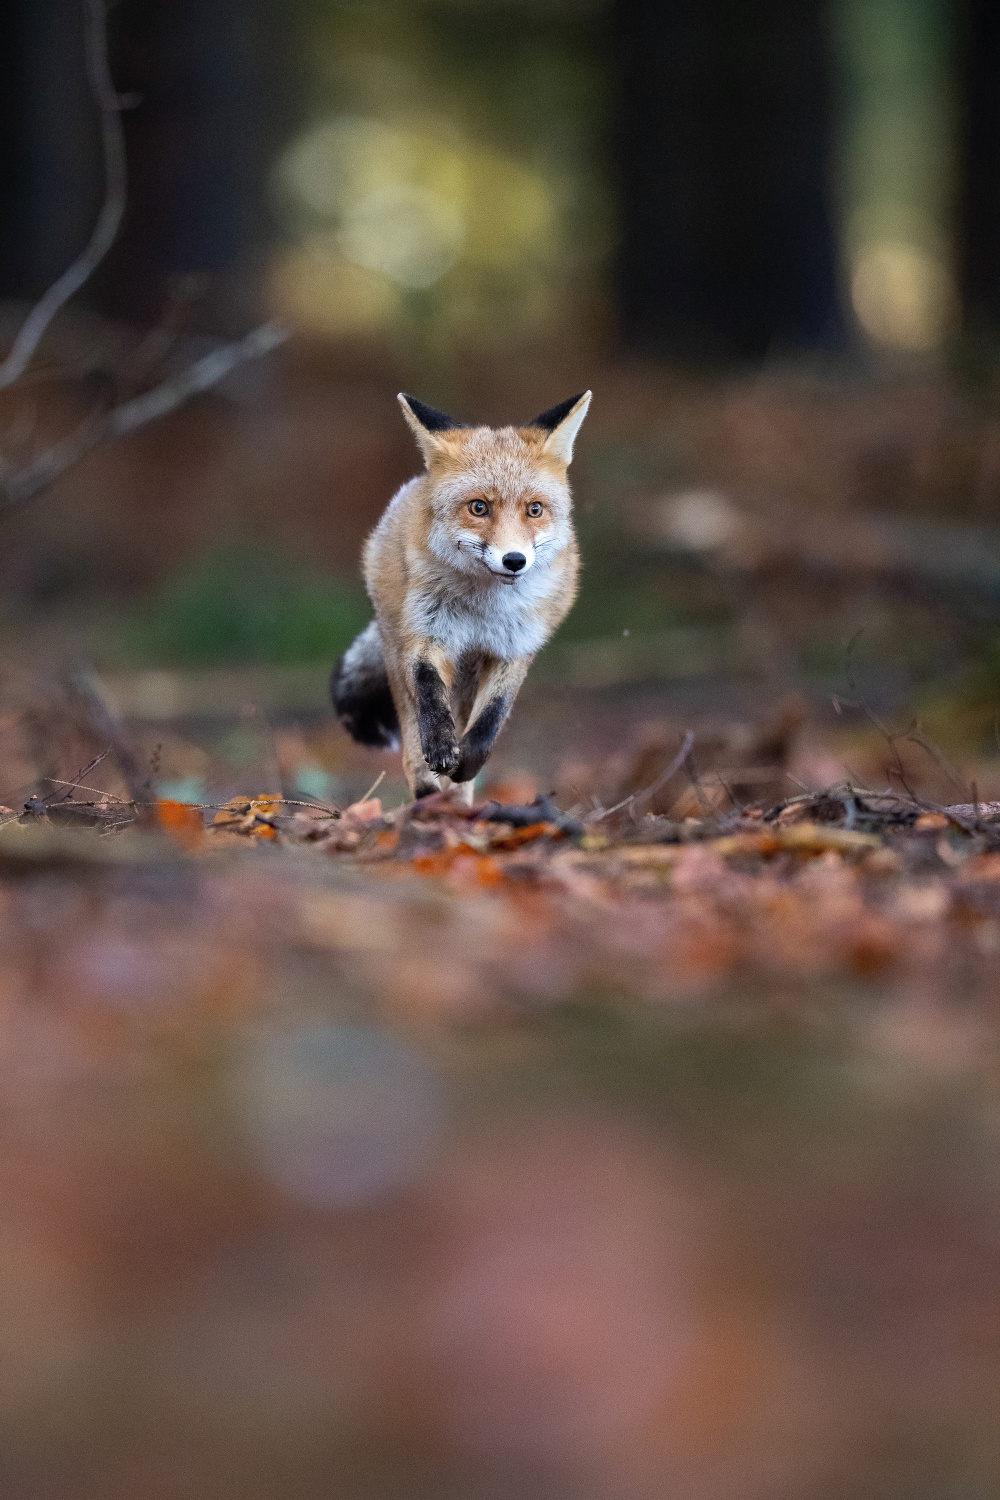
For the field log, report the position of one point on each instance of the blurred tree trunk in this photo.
(50, 177)
(208, 79)
(723, 161)
(979, 194)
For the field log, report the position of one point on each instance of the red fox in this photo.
(470, 570)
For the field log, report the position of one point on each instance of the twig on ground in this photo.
(83, 693)
(81, 786)
(916, 736)
(694, 777)
(80, 775)
(679, 760)
(317, 806)
(738, 806)
(796, 782)
(374, 787)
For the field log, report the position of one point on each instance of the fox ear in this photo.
(425, 423)
(562, 423)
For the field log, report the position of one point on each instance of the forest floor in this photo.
(538, 1148)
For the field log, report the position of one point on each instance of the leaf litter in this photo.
(310, 1100)
(533, 902)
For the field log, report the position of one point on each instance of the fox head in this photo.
(500, 496)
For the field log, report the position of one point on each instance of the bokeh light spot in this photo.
(903, 296)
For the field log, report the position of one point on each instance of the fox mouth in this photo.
(509, 578)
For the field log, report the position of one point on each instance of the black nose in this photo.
(513, 561)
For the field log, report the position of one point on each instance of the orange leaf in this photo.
(434, 864)
(528, 835)
(247, 815)
(234, 811)
(181, 820)
(461, 864)
(487, 871)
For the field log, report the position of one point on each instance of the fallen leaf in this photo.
(462, 864)
(249, 816)
(182, 821)
(360, 813)
(519, 836)
(652, 855)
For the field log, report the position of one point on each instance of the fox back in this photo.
(472, 567)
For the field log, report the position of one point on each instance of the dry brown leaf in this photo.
(814, 838)
(361, 813)
(250, 816)
(652, 855)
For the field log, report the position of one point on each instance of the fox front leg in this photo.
(498, 687)
(438, 740)
(420, 778)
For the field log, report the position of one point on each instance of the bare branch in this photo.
(201, 376)
(916, 736)
(660, 782)
(131, 415)
(45, 469)
(80, 775)
(112, 210)
(20, 483)
(82, 691)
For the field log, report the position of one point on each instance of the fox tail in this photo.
(361, 695)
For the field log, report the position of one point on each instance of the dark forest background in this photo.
(767, 236)
(713, 135)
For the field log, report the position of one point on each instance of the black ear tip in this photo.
(429, 419)
(549, 420)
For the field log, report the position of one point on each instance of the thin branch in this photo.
(695, 779)
(374, 787)
(651, 790)
(80, 775)
(82, 787)
(18, 484)
(201, 376)
(916, 736)
(205, 373)
(892, 740)
(112, 210)
(81, 689)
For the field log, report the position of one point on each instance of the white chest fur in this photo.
(498, 619)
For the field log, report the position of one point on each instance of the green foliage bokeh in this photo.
(231, 608)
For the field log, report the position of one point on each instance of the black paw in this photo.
(442, 756)
(470, 762)
(477, 744)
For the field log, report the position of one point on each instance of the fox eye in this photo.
(535, 509)
(479, 507)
